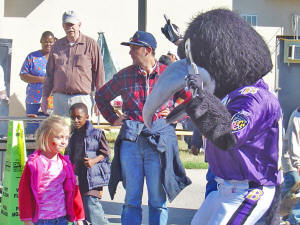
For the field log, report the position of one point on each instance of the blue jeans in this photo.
(187, 124)
(290, 178)
(57, 221)
(93, 210)
(197, 138)
(211, 184)
(139, 160)
(3, 112)
(32, 109)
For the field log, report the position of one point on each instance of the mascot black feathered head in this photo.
(229, 53)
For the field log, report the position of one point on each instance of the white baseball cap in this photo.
(173, 52)
(70, 17)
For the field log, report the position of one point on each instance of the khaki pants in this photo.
(62, 103)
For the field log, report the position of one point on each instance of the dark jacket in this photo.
(163, 139)
(98, 175)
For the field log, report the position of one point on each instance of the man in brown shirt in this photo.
(74, 68)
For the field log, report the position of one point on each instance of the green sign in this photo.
(15, 158)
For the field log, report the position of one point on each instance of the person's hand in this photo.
(195, 150)
(164, 113)
(88, 162)
(44, 105)
(171, 31)
(96, 110)
(32, 115)
(79, 222)
(28, 222)
(119, 121)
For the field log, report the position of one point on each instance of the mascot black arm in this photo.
(210, 116)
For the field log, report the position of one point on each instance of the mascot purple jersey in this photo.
(233, 108)
(255, 114)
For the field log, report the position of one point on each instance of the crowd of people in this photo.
(63, 179)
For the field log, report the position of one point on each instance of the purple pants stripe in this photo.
(247, 206)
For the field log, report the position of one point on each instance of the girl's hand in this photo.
(28, 222)
(79, 222)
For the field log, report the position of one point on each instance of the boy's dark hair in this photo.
(79, 105)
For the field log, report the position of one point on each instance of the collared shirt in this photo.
(75, 69)
(256, 123)
(35, 65)
(133, 85)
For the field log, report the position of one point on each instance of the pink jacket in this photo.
(28, 189)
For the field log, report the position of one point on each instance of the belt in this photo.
(72, 93)
(3, 101)
(253, 184)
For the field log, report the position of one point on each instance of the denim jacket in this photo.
(98, 175)
(163, 139)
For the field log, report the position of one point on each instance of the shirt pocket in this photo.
(83, 61)
(59, 61)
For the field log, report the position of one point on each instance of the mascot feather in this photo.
(233, 108)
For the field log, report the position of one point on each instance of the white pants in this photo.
(234, 203)
(62, 103)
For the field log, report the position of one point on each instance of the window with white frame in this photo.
(251, 19)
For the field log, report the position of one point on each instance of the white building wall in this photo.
(107, 16)
(118, 19)
(271, 13)
(269, 35)
(180, 13)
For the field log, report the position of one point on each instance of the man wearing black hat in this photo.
(140, 152)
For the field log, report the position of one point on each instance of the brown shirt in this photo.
(74, 69)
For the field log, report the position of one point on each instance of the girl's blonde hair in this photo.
(47, 128)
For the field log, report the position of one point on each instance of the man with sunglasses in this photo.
(140, 152)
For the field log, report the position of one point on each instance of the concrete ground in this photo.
(181, 210)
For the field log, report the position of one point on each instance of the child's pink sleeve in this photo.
(26, 200)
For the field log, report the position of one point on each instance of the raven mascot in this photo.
(234, 109)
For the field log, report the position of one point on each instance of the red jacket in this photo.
(28, 201)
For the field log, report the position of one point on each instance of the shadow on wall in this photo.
(16, 108)
(20, 8)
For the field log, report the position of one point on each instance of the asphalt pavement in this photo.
(181, 210)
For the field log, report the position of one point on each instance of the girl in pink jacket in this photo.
(48, 193)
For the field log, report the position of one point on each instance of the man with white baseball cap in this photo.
(172, 53)
(74, 68)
